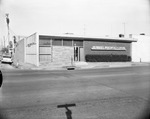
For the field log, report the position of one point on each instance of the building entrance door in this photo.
(81, 54)
(78, 54)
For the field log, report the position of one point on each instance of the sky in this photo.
(80, 17)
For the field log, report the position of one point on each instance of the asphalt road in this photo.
(98, 93)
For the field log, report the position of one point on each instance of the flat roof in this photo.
(89, 38)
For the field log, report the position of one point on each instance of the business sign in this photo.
(31, 40)
(108, 48)
(31, 44)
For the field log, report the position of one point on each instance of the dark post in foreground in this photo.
(68, 112)
(1, 78)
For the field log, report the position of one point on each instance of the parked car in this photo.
(7, 59)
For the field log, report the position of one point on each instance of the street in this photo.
(116, 93)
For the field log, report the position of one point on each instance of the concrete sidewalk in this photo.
(83, 65)
(6, 67)
(110, 64)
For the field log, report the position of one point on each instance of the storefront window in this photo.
(78, 43)
(44, 42)
(45, 58)
(67, 42)
(57, 42)
(44, 50)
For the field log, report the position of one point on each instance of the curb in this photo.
(80, 67)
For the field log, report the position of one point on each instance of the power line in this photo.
(12, 32)
(124, 28)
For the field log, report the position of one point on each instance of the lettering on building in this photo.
(112, 48)
(30, 44)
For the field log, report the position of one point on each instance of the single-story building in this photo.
(37, 49)
(141, 48)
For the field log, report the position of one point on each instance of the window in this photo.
(67, 42)
(44, 42)
(45, 58)
(44, 53)
(57, 42)
(45, 50)
(78, 43)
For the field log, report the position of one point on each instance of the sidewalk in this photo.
(95, 65)
(83, 65)
(6, 67)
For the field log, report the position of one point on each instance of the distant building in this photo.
(38, 49)
(141, 48)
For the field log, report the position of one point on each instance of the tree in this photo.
(14, 38)
(10, 44)
(5, 50)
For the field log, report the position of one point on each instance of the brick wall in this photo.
(88, 45)
(62, 54)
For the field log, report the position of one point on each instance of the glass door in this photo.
(76, 53)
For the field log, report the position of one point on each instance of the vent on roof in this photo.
(142, 33)
(121, 35)
(69, 33)
(130, 35)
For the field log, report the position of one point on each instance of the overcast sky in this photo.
(89, 17)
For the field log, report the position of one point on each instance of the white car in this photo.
(7, 59)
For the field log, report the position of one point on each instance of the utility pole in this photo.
(111, 30)
(7, 21)
(4, 41)
(84, 29)
(124, 28)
